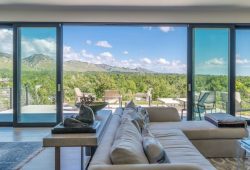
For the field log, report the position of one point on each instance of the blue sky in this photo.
(211, 51)
(160, 49)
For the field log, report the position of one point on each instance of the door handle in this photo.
(58, 87)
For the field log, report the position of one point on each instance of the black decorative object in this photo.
(84, 122)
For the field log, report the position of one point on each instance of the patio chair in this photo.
(200, 107)
(210, 102)
(79, 94)
(144, 96)
(112, 97)
(239, 103)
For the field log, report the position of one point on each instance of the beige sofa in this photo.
(186, 143)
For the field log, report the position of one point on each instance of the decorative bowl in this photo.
(96, 106)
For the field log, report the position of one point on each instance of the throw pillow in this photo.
(153, 149)
(127, 147)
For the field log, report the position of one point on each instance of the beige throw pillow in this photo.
(127, 147)
(153, 148)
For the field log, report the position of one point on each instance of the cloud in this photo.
(89, 42)
(146, 61)
(38, 46)
(87, 55)
(166, 29)
(107, 56)
(162, 61)
(125, 52)
(104, 44)
(215, 61)
(70, 54)
(161, 65)
(240, 60)
(6, 39)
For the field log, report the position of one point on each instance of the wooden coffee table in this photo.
(89, 141)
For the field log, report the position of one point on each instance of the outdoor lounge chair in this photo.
(112, 97)
(200, 107)
(210, 102)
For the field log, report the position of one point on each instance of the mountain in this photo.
(6, 61)
(44, 62)
(80, 66)
(39, 61)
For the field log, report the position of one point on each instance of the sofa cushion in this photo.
(180, 150)
(225, 120)
(127, 147)
(163, 114)
(200, 130)
(153, 148)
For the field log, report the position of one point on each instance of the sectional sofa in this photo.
(187, 143)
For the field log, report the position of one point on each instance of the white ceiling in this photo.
(137, 3)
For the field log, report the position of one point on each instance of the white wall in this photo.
(171, 15)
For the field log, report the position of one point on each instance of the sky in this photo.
(157, 48)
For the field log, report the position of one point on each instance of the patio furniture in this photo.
(200, 107)
(238, 102)
(210, 102)
(144, 96)
(79, 94)
(168, 101)
(112, 97)
(183, 102)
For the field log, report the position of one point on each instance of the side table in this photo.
(89, 141)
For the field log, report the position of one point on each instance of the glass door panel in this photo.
(210, 71)
(6, 75)
(242, 94)
(37, 61)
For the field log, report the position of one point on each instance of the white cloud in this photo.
(89, 42)
(38, 46)
(125, 52)
(215, 61)
(166, 29)
(158, 65)
(70, 54)
(6, 39)
(240, 60)
(85, 54)
(146, 61)
(104, 44)
(107, 56)
(162, 61)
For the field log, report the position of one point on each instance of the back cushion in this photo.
(127, 147)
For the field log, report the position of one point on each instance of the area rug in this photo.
(230, 163)
(14, 154)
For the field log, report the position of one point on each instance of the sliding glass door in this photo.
(210, 55)
(37, 74)
(242, 86)
(6, 75)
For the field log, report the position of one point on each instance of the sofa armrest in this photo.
(147, 167)
(163, 114)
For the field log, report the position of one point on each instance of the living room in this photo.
(185, 62)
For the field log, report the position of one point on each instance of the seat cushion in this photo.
(200, 130)
(179, 149)
(127, 147)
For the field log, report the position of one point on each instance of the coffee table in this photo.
(89, 141)
(242, 158)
